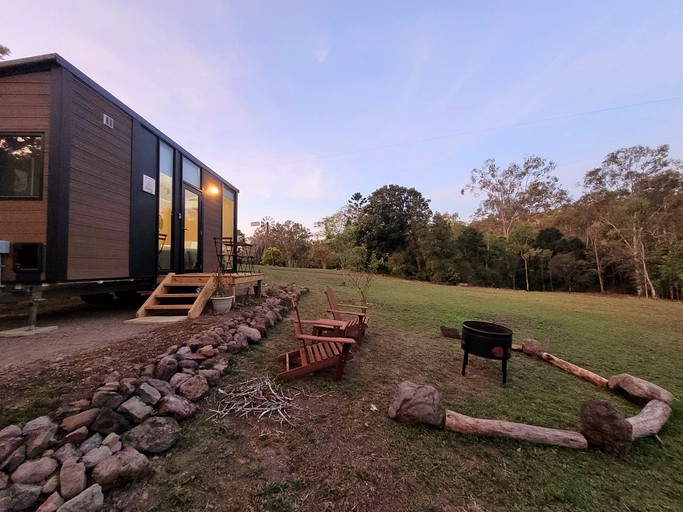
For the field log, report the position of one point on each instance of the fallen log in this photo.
(650, 420)
(594, 378)
(638, 389)
(468, 425)
(517, 347)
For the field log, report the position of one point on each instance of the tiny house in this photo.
(93, 198)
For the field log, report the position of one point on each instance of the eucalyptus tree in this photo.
(517, 192)
(521, 239)
(638, 194)
(293, 240)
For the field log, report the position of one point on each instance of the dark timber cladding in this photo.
(99, 205)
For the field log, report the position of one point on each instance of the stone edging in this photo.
(62, 462)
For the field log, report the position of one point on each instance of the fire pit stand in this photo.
(488, 340)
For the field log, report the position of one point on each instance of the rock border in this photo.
(65, 461)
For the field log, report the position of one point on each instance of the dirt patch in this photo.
(38, 373)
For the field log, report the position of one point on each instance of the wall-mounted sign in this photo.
(149, 184)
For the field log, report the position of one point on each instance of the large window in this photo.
(165, 204)
(21, 166)
(228, 212)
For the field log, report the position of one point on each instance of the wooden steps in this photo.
(185, 294)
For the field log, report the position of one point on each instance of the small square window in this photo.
(191, 173)
(21, 166)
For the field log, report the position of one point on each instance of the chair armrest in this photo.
(341, 312)
(307, 337)
(362, 308)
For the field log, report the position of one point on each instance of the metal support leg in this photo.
(36, 300)
(464, 362)
(505, 370)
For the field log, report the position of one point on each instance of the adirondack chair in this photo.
(358, 322)
(316, 352)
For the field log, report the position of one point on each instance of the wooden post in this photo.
(468, 425)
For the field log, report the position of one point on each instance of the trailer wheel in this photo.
(97, 298)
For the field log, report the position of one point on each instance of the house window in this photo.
(228, 212)
(191, 173)
(21, 166)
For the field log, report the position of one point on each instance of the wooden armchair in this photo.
(316, 352)
(358, 322)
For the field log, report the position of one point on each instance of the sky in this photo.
(300, 104)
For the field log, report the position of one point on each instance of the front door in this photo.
(192, 230)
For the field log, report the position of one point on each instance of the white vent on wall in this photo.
(108, 121)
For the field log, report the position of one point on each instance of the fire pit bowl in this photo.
(488, 340)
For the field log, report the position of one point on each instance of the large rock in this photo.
(82, 419)
(51, 504)
(166, 368)
(14, 459)
(641, 390)
(94, 441)
(109, 421)
(107, 398)
(237, 344)
(113, 442)
(178, 407)
(414, 403)
(155, 435)
(94, 457)
(194, 388)
(39, 423)
(253, 336)
(76, 437)
(9, 445)
(161, 385)
(89, 500)
(135, 409)
(19, 497)
(51, 484)
(72, 479)
(66, 452)
(124, 466)
(179, 378)
(148, 393)
(37, 435)
(206, 351)
(603, 427)
(71, 409)
(213, 377)
(34, 471)
(10, 431)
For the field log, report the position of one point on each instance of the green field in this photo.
(441, 470)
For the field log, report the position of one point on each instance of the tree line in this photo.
(624, 234)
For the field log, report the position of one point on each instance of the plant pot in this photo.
(222, 304)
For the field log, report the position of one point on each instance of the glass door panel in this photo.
(191, 242)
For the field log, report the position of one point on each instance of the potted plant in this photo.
(221, 300)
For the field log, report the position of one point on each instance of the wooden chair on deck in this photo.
(359, 320)
(316, 352)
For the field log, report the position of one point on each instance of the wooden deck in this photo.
(189, 293)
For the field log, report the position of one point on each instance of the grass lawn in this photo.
(341, 455)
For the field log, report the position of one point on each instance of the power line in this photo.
(460, 134)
